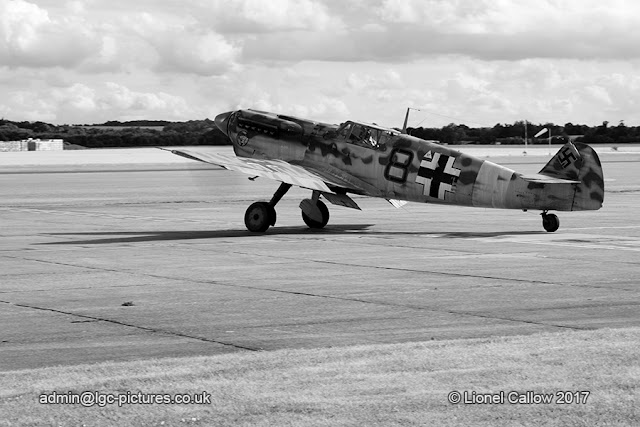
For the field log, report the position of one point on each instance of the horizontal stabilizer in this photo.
(544, 179)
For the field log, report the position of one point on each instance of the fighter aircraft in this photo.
(334, 161)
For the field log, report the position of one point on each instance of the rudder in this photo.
(580, 162)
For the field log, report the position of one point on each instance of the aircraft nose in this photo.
(221, 121)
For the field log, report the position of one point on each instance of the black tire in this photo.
(550, 222)
(272, 214)
(325, 216)
(259, 216)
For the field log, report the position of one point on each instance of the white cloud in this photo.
(330, 106)
(257, 16)
(30, 37)
(80, 103)
(483, 61)
(76, 7)
(512, 16)
(284, 100)
(597, 94)
(386, 80)
(116, 97)
(76, 97)
(511, 29)
(462, 85)
(29, 105)
(203, 54)
(181, 46)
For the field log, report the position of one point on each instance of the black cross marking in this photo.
(438, 176)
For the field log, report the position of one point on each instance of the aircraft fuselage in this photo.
(382, 162)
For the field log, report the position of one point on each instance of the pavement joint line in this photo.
(344, 264)
(363, 243)
(327, 322)
(420, 308)
(48, 273)
(455, 252)
(130, 325)
(440, 273)
(576, 245)
(76, 288)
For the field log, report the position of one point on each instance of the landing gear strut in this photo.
(550, 222)
(260, 215)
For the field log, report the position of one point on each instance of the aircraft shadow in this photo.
(110, 237)
(173, 235)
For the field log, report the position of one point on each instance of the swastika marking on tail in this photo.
(566, 157)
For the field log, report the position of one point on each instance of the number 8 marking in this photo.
(398, 167)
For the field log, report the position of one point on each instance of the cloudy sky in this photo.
(477, 62)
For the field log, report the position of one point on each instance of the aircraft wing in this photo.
(277, 170)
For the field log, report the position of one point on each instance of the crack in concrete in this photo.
(438, 273)
(89, 318)
(381, 303)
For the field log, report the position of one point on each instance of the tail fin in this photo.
(578, 161)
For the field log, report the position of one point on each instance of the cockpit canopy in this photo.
(365, 134)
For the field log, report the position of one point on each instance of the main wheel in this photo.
(317, 224)
(550, 222)
(259, 216)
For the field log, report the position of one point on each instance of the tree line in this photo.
(515, 133)
(143, 133)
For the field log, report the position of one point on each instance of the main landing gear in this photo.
(550, 222)
(314, 212)
(261, 215)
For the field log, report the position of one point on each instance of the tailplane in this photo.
(579, 162)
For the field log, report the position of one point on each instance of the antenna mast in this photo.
(406, 119)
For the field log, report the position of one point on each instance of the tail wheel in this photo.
(317, 224)
(259, 216)
(550, 222)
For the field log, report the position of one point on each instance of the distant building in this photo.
(32, 145)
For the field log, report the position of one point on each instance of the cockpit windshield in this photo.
(366, 135)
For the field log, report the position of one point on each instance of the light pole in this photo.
(525, 138)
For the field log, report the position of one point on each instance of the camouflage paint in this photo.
(403, 167)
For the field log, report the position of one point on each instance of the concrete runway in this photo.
(125, 262)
